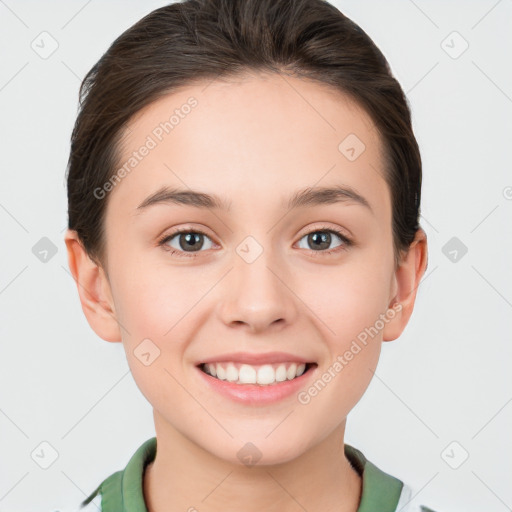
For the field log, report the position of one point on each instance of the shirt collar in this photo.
(123, 490)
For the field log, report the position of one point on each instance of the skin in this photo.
(254, 140)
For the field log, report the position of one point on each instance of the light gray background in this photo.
(446, 379)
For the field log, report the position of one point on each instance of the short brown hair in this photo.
(197, 40)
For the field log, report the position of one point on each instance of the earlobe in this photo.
(407, 279)
(93, 290)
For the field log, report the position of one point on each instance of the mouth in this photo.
(260, 375)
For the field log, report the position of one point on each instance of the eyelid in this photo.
(184, 228)
(324, 226)
(161, 239)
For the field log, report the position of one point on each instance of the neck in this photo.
(185, 477)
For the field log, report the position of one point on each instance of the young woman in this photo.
(244, 193)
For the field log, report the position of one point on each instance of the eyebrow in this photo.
(302, 198)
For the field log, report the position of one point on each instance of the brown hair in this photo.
(198, 40)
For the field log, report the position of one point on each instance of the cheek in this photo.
(347, 299)
(152, 309)
(349, 305)
(152, 301)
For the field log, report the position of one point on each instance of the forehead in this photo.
(253, 139)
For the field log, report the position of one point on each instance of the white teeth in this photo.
(247, 374)
(292, 371)
(281, 373)
(266, 374)
(231, 373)
(221, 373)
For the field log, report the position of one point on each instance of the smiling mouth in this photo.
(262, 375)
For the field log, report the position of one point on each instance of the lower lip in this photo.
(255, 394)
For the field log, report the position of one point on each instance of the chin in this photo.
(259, 450)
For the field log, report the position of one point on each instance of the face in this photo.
(257, 274)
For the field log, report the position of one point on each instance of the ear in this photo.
(93, 289)
(405, 284)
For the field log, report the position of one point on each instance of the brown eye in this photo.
(184, 241)
(320, 240)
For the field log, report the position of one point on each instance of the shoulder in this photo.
(381, 489)
(404, 503)
(123, 487)
(92, 506)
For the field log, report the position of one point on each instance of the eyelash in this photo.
(346, 242)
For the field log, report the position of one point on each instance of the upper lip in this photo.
(255, 358)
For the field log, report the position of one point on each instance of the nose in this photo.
(257, 295)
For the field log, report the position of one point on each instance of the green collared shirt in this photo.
(123, 490)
